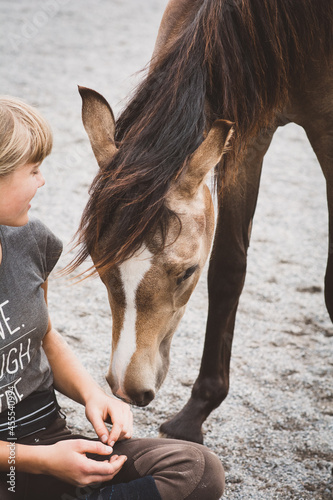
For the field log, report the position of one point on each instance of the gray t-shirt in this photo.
(29, 254)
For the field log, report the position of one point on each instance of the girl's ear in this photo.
(99, 122)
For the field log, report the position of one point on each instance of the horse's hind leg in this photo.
(225, 282)
(321, 139)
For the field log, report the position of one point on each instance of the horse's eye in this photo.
(187, 274)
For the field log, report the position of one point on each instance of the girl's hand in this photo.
(99, 407)
(67, 461)
(73, 380)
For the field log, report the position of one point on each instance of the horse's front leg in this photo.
(225, 283)
(320, 131)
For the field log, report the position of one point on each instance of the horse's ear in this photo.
(206, 156)
(98, 120)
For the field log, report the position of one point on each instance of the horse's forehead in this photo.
(181, 247)
(142, 266)
(186, 247)
(133, 269)
(192, 211)
(195, 205)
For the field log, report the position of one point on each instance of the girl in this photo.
(39, 457)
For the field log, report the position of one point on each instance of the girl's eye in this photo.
(188, 273)
(35, 170)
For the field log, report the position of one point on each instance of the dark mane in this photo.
(236, 60)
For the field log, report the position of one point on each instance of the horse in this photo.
(224, 75)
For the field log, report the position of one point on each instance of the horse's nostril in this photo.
(149, 396)
(145, 398)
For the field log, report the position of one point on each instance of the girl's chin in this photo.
(21, 221)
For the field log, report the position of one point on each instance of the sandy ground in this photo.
(274, 433)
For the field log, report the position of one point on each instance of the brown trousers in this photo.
(181, 470)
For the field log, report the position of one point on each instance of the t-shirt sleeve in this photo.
(50, 246)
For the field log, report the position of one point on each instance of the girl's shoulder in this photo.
(41, 232)
(34, 229)
(49, 245)
(35, 240)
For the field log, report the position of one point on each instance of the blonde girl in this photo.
(39, 457)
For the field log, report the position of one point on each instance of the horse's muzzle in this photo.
(132, 396)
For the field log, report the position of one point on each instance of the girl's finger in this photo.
(99, 475)
(115, 433)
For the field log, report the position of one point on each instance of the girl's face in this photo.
(16, 191)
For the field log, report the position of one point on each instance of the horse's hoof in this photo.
(177, 430)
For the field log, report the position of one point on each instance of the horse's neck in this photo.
(177, 15)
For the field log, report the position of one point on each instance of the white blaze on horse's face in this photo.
(148, 292)
(132, 273)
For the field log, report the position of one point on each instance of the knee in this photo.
(202, 471)
(212, 390)
(182, 470)
(213, 479)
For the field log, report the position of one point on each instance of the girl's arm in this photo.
(73, 380)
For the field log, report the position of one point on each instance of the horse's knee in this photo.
(212, 390)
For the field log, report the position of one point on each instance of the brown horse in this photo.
(224, 75)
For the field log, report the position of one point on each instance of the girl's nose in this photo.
(41, 180)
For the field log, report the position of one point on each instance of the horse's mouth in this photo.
(141, 400)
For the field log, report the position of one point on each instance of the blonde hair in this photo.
(25, 136)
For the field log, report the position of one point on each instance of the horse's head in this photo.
(148, 291)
